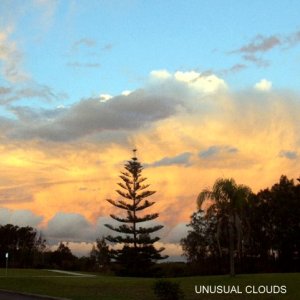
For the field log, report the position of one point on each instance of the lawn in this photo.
(120, 288)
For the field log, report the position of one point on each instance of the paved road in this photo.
(5, 295)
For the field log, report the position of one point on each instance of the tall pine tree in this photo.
(138, 255)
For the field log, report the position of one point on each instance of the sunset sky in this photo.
(203, 89)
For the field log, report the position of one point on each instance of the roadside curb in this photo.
(37, 296)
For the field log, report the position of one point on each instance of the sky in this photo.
(203, 90)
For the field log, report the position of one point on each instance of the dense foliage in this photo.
(24, 246)
(267, 238)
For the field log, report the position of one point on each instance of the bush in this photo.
(166, 290)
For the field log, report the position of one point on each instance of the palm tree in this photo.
(227, 202)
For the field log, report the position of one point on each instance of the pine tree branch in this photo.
(144, 205)
(141, 179)
(122, 186)
(145, 239)
(144, 230)
(142, 187)
(148, 217)
(129, 206)
(125, 174)
(120, 204)
(123, 220)
(122, 228)
(145, 194)
(125, 195)
(120, 239)
(125, 179)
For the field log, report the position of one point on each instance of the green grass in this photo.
(121, 288)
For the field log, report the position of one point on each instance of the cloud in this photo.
(46, 9)
(83, 47)
(26, 114)
(180, 159)
(11, 58)
(258, 61)
(262, 44)
(108, 47)
(263, 85)
(19, 217)
(16, 195)
(126, 93)
(289, 154)
(176, 233)
(213, 151)
(84, 42)
(29, 91)
(105, 97)
(69, 227)
(234, 69)
(160, 74)
(81, 234)
(91, 115)
(293, 39)
(203, 83)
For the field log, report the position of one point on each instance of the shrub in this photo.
(166, 290)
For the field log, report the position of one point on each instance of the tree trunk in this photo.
(231, 245)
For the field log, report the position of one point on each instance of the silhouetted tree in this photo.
(200, 245)
(276, 224)
(138, 254)
(24, 245)
(100, 254)
(200, 241)
(63, 257)
(228, 200)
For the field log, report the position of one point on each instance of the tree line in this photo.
(245, 232)
(25, 247)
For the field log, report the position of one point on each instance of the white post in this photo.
(6, 256)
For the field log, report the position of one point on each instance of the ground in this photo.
(83, 286)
